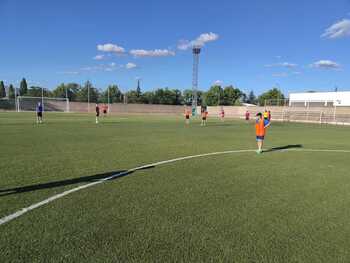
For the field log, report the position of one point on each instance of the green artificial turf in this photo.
(280, 206)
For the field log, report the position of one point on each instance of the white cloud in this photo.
(130, 65)
(326, 64)
(284, 64)
(218, 83)
(99, 57)
(206, 37)
(110, 48)
(280, 75)
(286, 74)
(152, 53)
(199, 41)
(69, 72)
(338, 30)
(184, 44)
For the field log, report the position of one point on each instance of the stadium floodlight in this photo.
(196, 50)
(25, 103)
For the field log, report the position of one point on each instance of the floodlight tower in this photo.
(196, 50)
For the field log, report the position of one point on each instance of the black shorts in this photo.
(204, 118)
(97, 114)
(187, 117)
(39, 114)
(104, 112)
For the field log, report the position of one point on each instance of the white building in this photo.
(327, 99)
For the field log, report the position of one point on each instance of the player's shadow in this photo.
(85, 179)
(283, 148)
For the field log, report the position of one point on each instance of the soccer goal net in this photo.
(49, 104)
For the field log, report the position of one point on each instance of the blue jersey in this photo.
(39, 108)
(266, 122)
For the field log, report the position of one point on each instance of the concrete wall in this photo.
(302, 114)
(297, 114)
(119, 108)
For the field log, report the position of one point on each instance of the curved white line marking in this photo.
(25, 210)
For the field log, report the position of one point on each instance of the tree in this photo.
(23, 89)
(35, 91)
(88, 91)
(178, 97)
(187, 96)
(11, 92)
(70, 89)
(148, 97)
(167, 96)
(251, 98)
(132, 97)
(73, 90)
(274, 95)
(232, 96)
(2, 90)
(214, 96)
(115, 94)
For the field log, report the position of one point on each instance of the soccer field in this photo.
(289, 204)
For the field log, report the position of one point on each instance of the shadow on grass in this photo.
(282, 148)
(73, 181)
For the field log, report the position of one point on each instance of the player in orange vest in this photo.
(261, 124)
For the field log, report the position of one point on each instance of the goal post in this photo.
(25, 103)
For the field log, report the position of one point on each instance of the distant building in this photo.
(320, 99)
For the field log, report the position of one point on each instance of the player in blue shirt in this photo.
(39, 113)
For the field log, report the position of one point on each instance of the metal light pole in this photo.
(196, 50)
(108, 98)
(88, 84)
(16, 103)
(67, 100)
(42, 98)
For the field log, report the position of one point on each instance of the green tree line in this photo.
(216, 95)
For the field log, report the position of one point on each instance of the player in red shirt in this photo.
(204, 114)
(187, 116)
(97, 112)
(222, 114)
(105, 109)
(247, 116)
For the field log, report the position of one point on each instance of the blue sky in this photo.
(251, 44)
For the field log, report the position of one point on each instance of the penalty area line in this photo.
(25, 210)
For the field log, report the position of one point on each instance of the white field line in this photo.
(25, 210)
